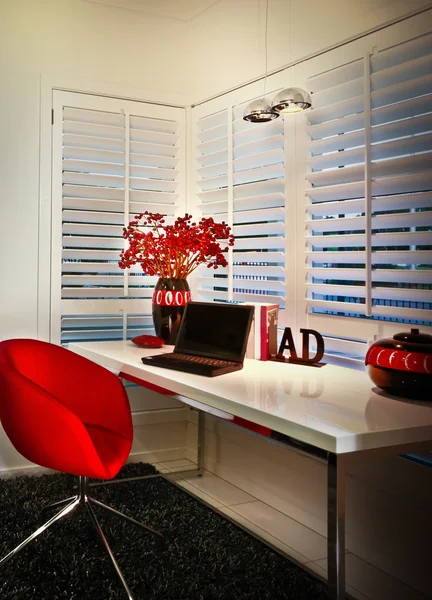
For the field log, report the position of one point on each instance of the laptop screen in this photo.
(216, 330)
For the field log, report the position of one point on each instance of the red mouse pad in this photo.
(148, 341)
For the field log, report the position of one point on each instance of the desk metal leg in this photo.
(201, 442)
(336, 527)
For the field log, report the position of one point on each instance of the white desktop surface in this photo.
(333, 408)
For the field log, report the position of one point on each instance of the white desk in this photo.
(331, 409)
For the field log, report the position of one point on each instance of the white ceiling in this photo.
(184, 10)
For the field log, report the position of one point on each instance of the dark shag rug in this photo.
(205, 557)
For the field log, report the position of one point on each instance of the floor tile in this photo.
(160, 468)
(264, 534)
(374, 582)
(197, 492)
(172, 476)
(292, 533)
(314, 566)
(219, 489)
(179, 464)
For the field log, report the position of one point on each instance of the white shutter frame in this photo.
(378, 161)
(240, 178)
(110, 172)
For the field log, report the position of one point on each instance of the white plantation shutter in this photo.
(369, 211)
(112, 160)
(241, 180)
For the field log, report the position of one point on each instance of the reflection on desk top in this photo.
(333, 408)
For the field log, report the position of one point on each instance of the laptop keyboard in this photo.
(201, 360)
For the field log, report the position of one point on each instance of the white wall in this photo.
(125, 51)
(227, 41)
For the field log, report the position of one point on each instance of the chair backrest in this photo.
(49, 394)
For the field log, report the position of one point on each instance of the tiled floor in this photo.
(291, 537)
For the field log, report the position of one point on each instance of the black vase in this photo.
(170, 297)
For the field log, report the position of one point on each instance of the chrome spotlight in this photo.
(291, 100)
(259, 111)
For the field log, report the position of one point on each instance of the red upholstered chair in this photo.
(64, 412)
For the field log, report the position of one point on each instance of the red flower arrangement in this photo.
(174, 251)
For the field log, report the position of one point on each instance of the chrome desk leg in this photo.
(336, 527)
(201, 442)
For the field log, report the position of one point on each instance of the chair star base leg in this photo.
(108, 549)
(121, 515)
(58, 504)
(65, 511)
(71, 504)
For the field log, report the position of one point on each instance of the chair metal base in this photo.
(72, 503)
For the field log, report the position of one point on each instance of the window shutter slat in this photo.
(157, 125)
(211, 121)
(215, 170)
(88, 142)
(274, 142)
(146, 197)
(80, 166)
(94, 180)
(94, 155)
(93, 117)
(212, 133)
(213, 158)
(152, 137)
(247, 134)
(262, 160)
(143, 148)
(94, 130)
(402, 275)
(213, 146)
(83, 191)
(97, 267)
(84, 254)
(150, 172)
(151, 160)
(93, 229)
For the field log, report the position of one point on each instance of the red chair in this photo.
(64, 412)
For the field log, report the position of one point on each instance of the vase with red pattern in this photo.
(170, 297)
(402, 365)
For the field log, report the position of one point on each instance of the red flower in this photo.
(174, 250)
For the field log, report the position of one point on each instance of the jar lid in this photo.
(414, 336)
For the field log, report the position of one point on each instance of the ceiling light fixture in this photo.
(291, 100)
(288, 101)
(260, 111)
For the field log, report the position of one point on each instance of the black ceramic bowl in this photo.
(402, 365)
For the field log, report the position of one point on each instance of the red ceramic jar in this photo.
(402, 365)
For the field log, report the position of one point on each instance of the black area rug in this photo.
(205, 556)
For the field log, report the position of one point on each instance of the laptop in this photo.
(211, 341)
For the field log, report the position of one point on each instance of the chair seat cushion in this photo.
(112, 449)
